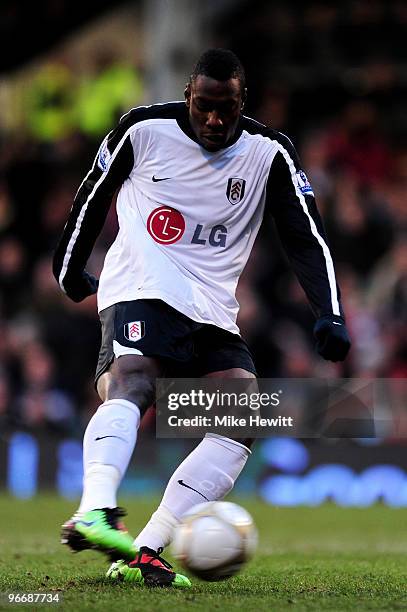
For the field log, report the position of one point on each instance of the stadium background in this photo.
(333, 76)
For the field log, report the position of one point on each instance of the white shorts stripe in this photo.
(119, 350)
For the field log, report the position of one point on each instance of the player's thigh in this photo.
(133, 377)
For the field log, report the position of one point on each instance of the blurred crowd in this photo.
(332, 76)
(352, 138)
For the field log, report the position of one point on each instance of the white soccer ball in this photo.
(214, 540)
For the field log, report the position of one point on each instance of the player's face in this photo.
(214, 110)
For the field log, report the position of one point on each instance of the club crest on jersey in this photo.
(134, 331)
(235, 190)
(303, 183)
(104, 156)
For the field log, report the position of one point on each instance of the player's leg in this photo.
(125, 381)
(126, 390)
(146, 566)
(129, 388)
(208, 473)
(135, 340)
(212, 468)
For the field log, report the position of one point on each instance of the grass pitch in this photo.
(324, 558)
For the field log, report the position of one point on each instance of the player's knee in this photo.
(133, 379)
(137, 387)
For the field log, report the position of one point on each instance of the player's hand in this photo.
(333, 341)
(80, 287)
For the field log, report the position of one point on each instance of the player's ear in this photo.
(244, 98)
(187, 94)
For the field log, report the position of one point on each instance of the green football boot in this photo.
(99, 530)
(149, 569)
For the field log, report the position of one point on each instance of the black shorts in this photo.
(186, 349)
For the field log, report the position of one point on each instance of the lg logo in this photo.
(216, 238)
(166, 226)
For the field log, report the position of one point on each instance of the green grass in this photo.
(323, 558)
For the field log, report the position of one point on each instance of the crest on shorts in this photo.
(235, 190)
(134, 331)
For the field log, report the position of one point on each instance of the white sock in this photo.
(159, 529)
(108, 445)
(207, 474)
(100, 483)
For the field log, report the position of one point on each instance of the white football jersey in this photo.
(188, 217)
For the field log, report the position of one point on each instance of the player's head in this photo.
(215, 96)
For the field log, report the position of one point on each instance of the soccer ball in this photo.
(214, 540)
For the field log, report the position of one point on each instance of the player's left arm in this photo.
(292, 203)
(110, 169)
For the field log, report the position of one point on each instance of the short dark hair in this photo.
(220, 64)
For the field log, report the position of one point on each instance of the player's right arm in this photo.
(110, 169)
(292, 204)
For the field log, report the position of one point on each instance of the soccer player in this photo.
(194, 180)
